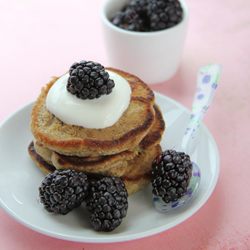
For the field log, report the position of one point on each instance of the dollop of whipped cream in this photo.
(97, 113)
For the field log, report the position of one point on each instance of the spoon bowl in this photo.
(161, 206)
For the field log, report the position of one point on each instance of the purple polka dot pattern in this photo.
(207, 81)
(214, 85)
(197, 174)
(200, 97)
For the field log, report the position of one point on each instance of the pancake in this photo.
(44, 166)
(154, 135)
(136, 177)
(42, 151)
(126, 133)
(111, 165)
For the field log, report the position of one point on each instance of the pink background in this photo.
(40, 39)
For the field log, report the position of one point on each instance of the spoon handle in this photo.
(207, 80)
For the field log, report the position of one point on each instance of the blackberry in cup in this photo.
(149, 15)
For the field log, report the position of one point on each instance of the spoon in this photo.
(207, 81)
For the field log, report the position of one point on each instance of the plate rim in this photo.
(114, 238)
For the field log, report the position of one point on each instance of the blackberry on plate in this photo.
(62, 191)
(89, 80)
(107, 203)
(163, 14)
(128, 20)
(171, 173)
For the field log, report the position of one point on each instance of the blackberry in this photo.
(62, 191)
(171, 173)
(149, 15)
(107, 203)
(89, 80)
(128, 20)
(139, 6)
(163, 14)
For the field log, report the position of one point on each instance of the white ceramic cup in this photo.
(152, 56)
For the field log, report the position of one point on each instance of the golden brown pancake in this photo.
(126, 133)
(45, 167)
(154, 135)
(42, 151)
(136, 177)
(110, 165)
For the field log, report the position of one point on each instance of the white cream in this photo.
(97, 113)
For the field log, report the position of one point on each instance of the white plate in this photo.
(20, 179)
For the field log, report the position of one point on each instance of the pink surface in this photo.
(40, 39)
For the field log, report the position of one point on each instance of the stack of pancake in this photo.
(125, 149)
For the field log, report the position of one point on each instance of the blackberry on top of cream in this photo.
(89, 96)
(89, 80)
